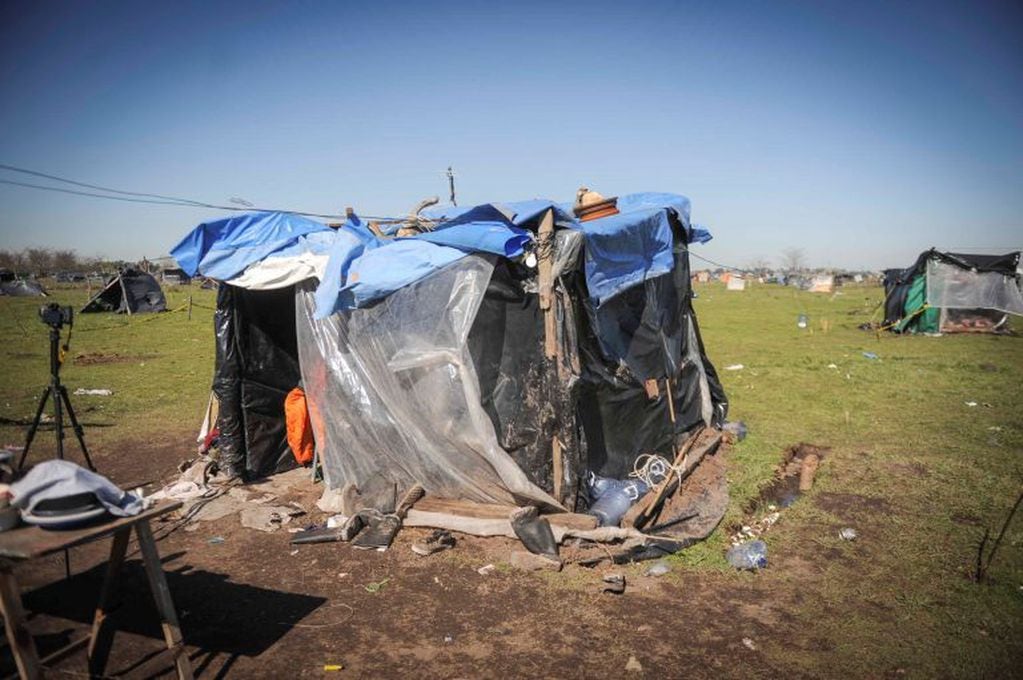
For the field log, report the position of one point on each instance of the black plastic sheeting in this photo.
(604, 419)
(520, 388)
(644, 333)
(256, 367)
(130, 291)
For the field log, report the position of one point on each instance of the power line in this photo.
(716, 264)
(36, 173)
(153, 199)
(87, 193)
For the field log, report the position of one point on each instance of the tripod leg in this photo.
(79, 432)
(58, 418)
(35, 426)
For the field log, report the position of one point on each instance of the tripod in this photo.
(60, 400)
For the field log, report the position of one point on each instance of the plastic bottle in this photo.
(803, 321)
(613, 498)
(751, 555)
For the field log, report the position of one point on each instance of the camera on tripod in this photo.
(55, 316)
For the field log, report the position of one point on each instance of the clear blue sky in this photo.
(861, 132)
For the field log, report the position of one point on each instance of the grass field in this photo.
(913, 468)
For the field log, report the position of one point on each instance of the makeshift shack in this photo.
(953, 292)
(499, 354)
(128, 292)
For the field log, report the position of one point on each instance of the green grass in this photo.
(920, 473)
(902, 436)
(159, 367)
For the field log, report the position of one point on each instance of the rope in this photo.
(652, 469)
(130, 322)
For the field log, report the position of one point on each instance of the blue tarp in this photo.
(363, 268)
(620, 251)
(636, 244)
(222, 249)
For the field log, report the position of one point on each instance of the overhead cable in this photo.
(154, 199)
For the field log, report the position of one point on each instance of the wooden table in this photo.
(28, 542)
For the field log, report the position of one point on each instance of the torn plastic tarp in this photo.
(621, 250)
(395, 394)
(362, 268)
(222, 249)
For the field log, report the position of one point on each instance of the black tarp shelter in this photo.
(128, 292)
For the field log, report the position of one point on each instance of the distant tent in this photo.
(175, 276)
(822, 283)
(23, 288)
(953, 292)
(130, 291)
(736, 283)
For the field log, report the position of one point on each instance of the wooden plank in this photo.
(18, 636)
(545, 280)
(102, 636)
(162, 596)
(465, 508)
(488, 511)
(28, 542)
(493, 526)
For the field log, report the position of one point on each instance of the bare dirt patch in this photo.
(848, 505)
(99, 358)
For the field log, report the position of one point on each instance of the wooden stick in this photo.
(655, 501)
(559, 473)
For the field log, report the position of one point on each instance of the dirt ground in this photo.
(252, 605)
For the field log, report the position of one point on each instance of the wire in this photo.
(35, 173)
(87, 193)
(156, 199)
(716, 264)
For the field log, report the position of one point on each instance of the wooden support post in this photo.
(545, 279)
(18, 636)
(189, 306)
(162, 596)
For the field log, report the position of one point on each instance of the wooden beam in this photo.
(545, 280)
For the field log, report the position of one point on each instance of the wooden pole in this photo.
(545, 276)
(189, 306)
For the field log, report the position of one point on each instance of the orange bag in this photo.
(300, 430)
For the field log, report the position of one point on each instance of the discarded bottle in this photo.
(736, 428)
(751, 555)
(803, 321)
(612, 498)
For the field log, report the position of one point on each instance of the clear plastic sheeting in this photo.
(394, 395)
(952, 287)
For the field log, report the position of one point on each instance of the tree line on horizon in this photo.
(40, 261)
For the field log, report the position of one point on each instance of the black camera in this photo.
(55, 316)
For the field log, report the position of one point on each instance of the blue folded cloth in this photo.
(55, 479)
